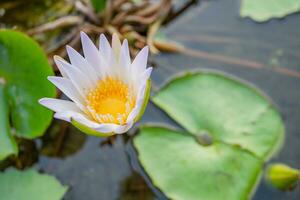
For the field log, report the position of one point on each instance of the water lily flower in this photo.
(108, 92)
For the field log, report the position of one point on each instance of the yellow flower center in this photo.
(110, 101)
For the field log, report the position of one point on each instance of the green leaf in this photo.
(225, 108)
(98, 5)
(7, 143)
(185, 170)
(263, 10)
(29, 184)
(23, 73)
(232, 129)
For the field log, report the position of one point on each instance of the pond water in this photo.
(267, 55)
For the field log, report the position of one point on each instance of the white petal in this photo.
(124, 63)
(59, 105)
(66, 115)
(142, 89)
(104, 47)
(146, 74)
(78, 61)
(139, 64)
(107, 57)
(123, 128)
(134, 113)
(103, 128)
(68, 89)
(139, 102)
(125, 55)
(77, 77)
(63, 73)
(141, 79)
(91, 53)
(116, 45)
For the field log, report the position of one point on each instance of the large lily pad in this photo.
(23, 71)
(225, 108)
(29, 184)
(263, 10)
(244, 126)
(185, 170)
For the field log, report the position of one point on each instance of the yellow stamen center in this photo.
(110, 101)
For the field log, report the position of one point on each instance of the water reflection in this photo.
(95, 172)
(62, 140)
(28, 155)
(134, 187)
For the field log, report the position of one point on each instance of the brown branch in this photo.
(90, 28)
(118, 19)
(140, 19)
(149, 10)
(59, 23)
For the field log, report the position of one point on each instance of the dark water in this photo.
(267, 55)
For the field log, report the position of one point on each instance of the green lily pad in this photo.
(185, 170)
(7, 143)
(232, 129)
(225, 108)
(263, 10)
(29, 184)
(23, 78)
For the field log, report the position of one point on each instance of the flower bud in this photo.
(282, 176)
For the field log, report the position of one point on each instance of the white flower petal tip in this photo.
(108, 92)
